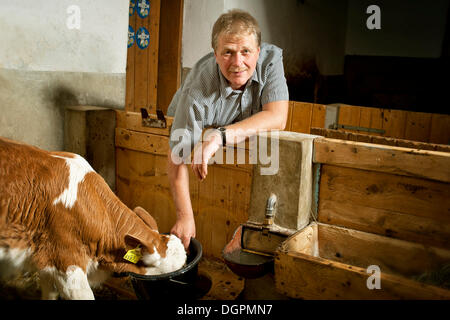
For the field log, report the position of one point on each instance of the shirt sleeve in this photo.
(275, 87)
(187, 125)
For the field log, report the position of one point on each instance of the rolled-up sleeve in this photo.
(275, 87)
(187, 125)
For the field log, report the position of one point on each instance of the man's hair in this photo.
(235, 22)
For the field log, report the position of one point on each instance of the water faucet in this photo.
(270, 211)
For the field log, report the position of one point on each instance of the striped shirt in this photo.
(207, 100)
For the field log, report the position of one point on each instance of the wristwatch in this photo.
(222, 131)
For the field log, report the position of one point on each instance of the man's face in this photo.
(237, 57)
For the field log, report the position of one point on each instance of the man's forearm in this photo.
(179, 186)
(272, 117)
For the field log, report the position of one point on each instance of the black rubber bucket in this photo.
(182, 284)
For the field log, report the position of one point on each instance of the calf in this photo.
(60, 218)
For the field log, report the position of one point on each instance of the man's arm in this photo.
(184, 227)
(272, 117)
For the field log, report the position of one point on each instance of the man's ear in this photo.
(146, 217)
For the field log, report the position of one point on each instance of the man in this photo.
(238, 88)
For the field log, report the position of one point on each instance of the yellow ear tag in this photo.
(133, 255)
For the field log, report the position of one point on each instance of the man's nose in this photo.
(237, 59)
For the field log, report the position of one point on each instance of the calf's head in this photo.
(160, 253)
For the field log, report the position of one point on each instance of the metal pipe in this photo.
(270, 210)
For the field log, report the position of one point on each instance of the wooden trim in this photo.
(170, 39)
(153, 57)
(133, 121)
(395, 160)
(351, 136)
(145, 142)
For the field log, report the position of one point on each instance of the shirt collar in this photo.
(225, 88)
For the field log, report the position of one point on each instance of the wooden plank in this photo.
(129, 93)
(302, 276)
(351, 136)
(133, 121)
(318, 116)
(394, 123)
(142, 181)
(363, 249)
(224, 199)
(389, 223)
(440, 129)
(418, 126)
(145, 142)
(170, 36)
(141, 69)
(385, 192)
(371, 118)
(301, 117)
(349, 115)
(396, 160)
(289, 118)
(153, 50)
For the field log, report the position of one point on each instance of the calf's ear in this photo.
(146, 217)
(132, 242)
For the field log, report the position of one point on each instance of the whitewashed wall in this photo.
(45, 66)
(34, 35)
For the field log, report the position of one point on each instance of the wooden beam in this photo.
(370, 138)
(133, 121)
(145, 142)
(395, 160)
(382, 191)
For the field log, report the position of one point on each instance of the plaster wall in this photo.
(45, 65)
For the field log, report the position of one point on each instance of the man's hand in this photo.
(184, 228)
(203, 151)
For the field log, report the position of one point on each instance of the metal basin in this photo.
(244, 263)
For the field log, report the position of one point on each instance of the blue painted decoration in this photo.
(130, 36)
(143, 8)
(142, 38)
(132, 7)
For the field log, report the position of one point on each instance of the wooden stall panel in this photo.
(318, 116)
(129, 94)
(301, 117)
(220, 203)
(418, 126)
(440, 129)
(371, 118)
(142, 181)
(299, 274)
(153, 28)
(433, 165)
(142, 57)
(349, 116)
(392, 205)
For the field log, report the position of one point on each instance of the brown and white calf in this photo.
(59, 217)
